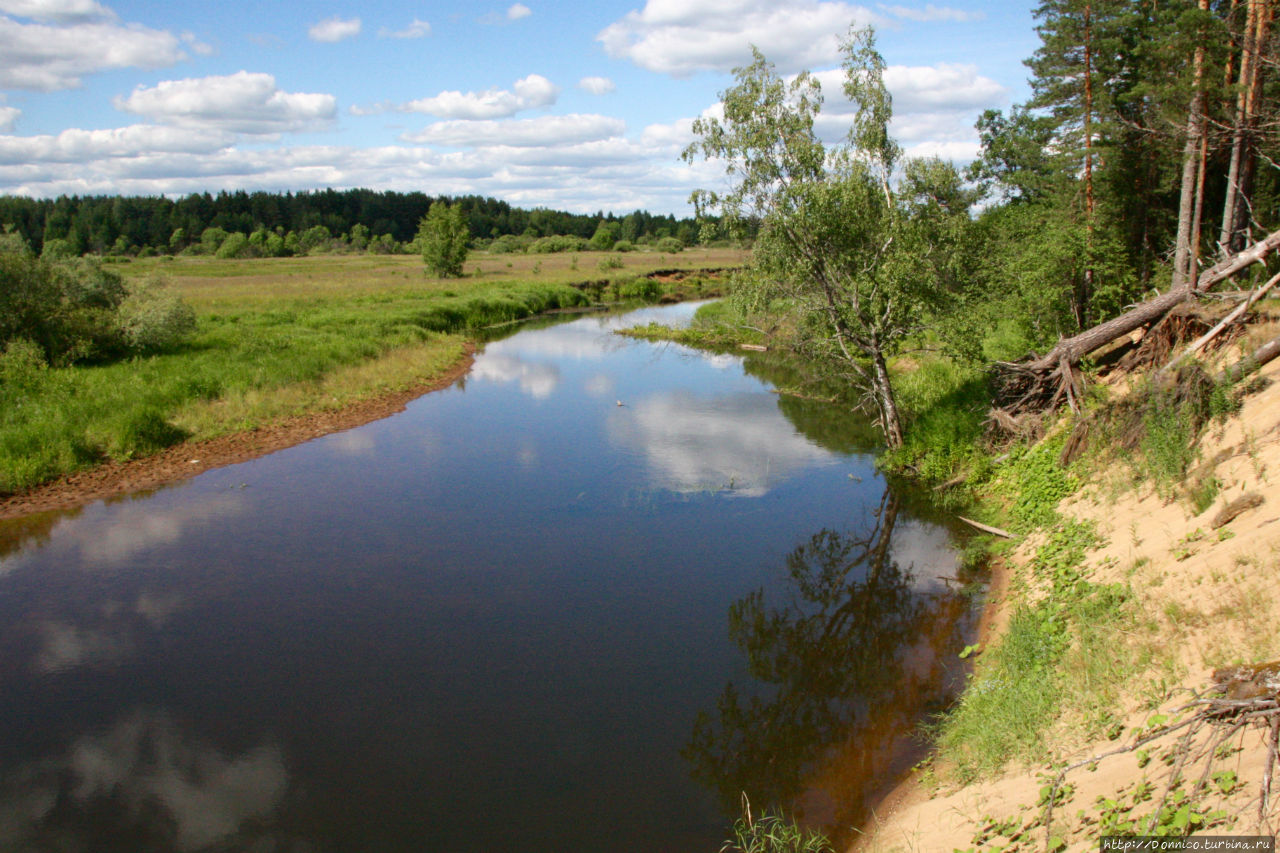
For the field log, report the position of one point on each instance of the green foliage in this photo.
(1057, 655)
(860, 263)
(669, 245)
(1033, 482)
(443, 239)
(557, 243)
(612, 262)
(773, 833)
(235, 246)
(153, 317)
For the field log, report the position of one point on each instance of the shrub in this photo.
(57, 249)
(235, 246)
(613, 262)
(153, 317)
(624, 246)
(670, 245)
(509, 244)
(558, 243)
(443, 237)
(21, 366)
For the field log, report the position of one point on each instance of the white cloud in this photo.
(527, 93)
(680, 37)
(596, 85)
(47, 58)
(8, 117)
(415, 30)
(521, 133)
(334, 29)
(84, 147)
(190, 40)
(518, 11)
(243, 102)
(930, 13)
(63, 11)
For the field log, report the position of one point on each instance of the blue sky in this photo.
(569, 105)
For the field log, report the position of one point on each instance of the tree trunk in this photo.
(890, 422)
(1239, 137)
(1183, 268)
(1085, 292)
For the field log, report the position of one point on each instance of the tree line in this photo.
(356, 219)
(1143, 162)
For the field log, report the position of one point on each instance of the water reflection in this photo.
(142, 783)
(864, 643)
(697, 443)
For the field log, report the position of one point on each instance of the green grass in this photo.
(1056, 659)
(278, 337)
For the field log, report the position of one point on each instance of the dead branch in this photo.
(1236, 314)
(1238, 697)
(1049, 380)
(986, 528)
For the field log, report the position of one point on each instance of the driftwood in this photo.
(1046, 381)
(986, 528)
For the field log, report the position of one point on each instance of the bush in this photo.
(66, 309)
(670, 245)
(510, 244)
(22, 365)
(235, 246)
(154, 317)
(557, 243)
(443, 238)
(57, 249)
(624, 246)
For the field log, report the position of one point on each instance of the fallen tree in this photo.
(1045, 382)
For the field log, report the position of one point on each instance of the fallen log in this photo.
(1235, 314)
(1046, 381)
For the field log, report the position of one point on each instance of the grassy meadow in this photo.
(278, 337)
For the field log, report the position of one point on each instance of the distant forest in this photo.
(358, 219)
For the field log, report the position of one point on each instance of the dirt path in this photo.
(194, 457)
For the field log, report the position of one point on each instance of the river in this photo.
(582, 600)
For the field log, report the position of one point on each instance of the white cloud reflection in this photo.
(146, 762)
(695, 443)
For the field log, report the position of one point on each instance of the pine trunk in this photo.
(1183, 268)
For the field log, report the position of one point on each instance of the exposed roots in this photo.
(1239, 698)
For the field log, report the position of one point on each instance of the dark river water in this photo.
(583, 600)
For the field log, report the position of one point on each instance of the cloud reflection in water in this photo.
(694, 443)
(141, 765)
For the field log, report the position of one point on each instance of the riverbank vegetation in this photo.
(1062, 338)
(122, 360)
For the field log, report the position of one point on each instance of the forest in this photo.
(355, 219)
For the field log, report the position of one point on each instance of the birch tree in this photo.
(860, 264)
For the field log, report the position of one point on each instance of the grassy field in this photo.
(286, 336)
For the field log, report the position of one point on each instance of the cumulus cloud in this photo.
(75, 146)
(930, 13)
(415, 30)
(518, 11)
(527, 93)
(63, 11)
(596, 85)
(47, 58)
(521, 133)
(680, 37)
(8, 117)
(243, 102)
(334, 29)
